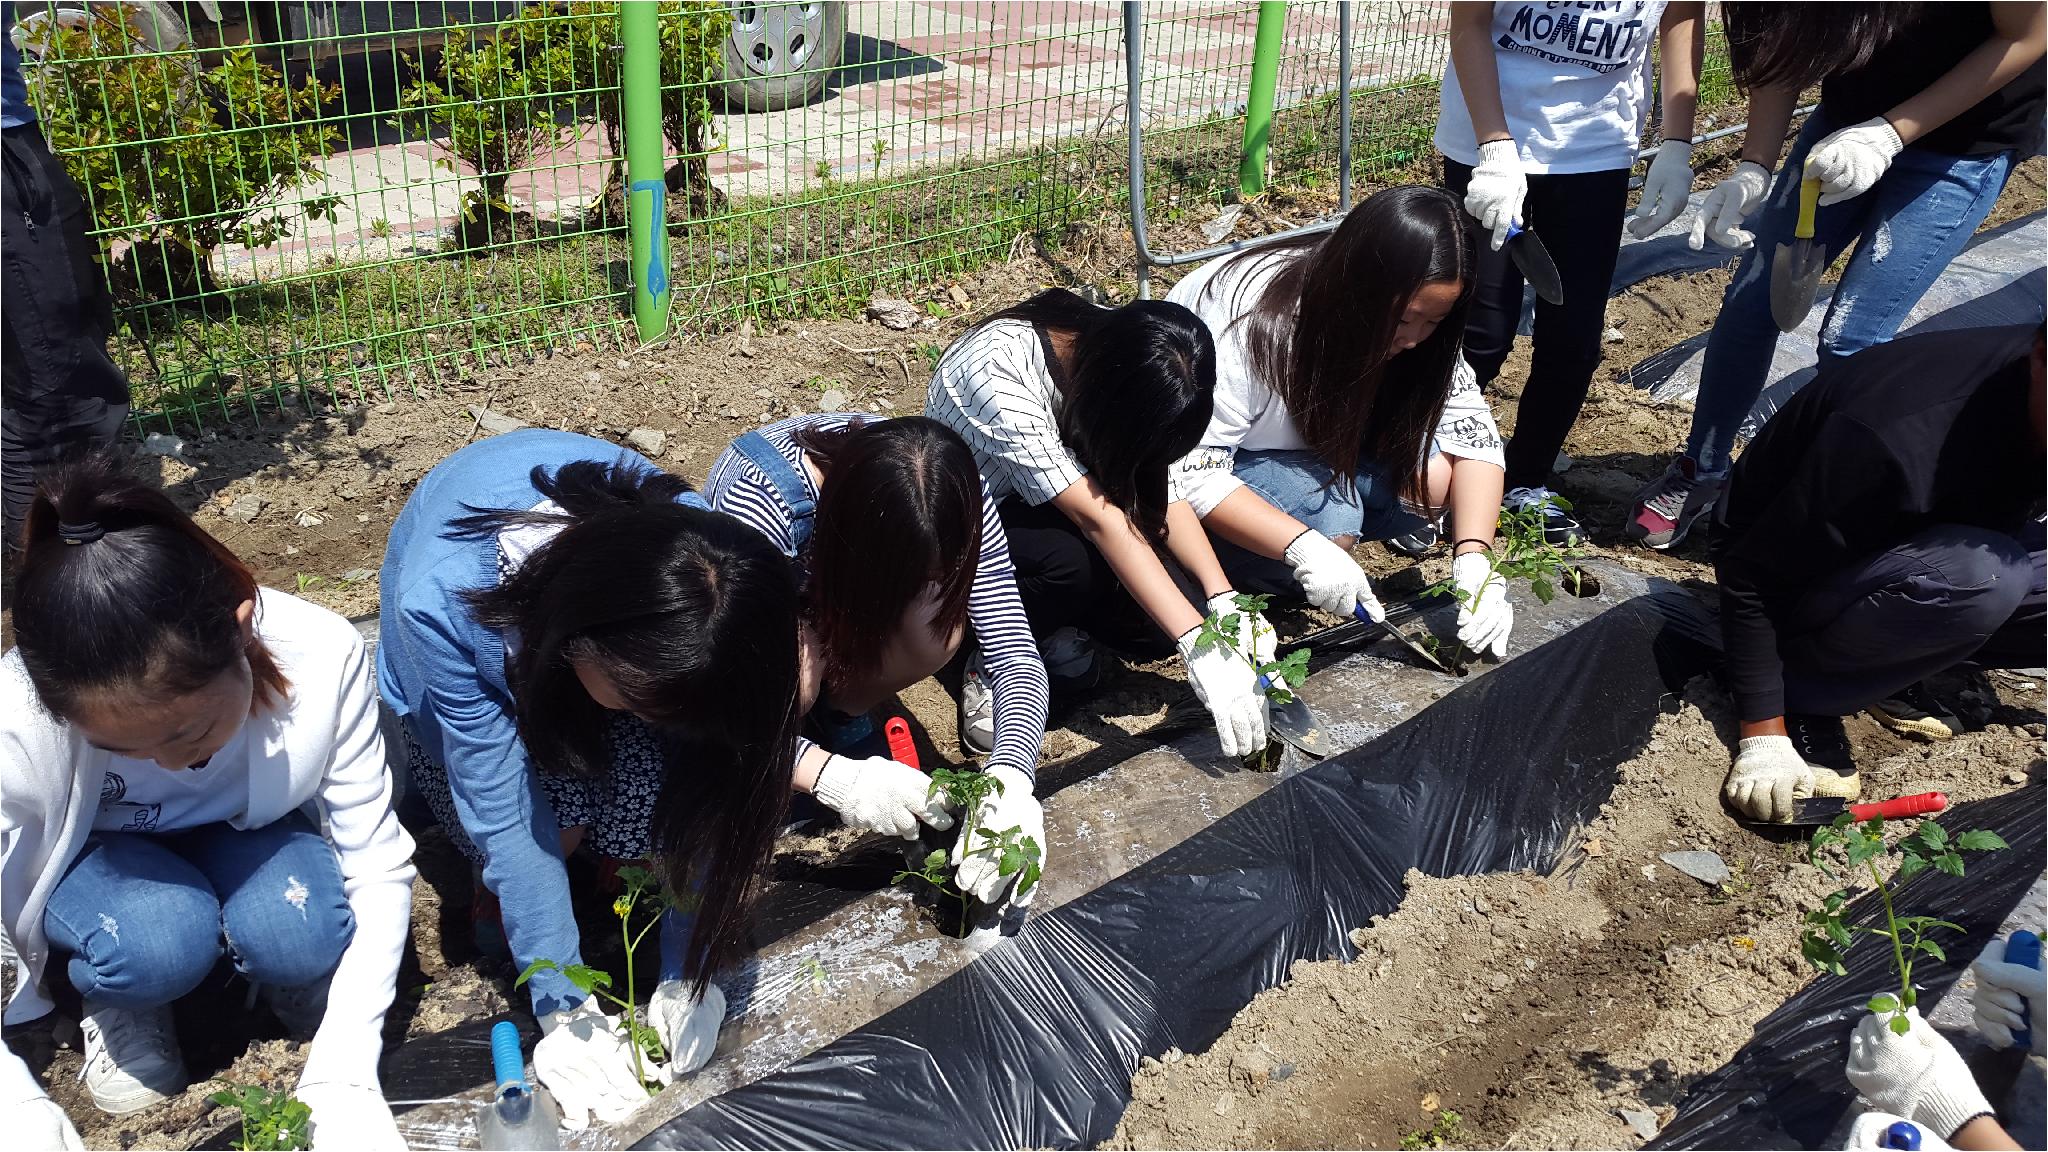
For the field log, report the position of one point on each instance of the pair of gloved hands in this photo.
(1920, 1077)
(1848, 163)
(1334, 582)
(346, 1117)
(883, 795)
(585, 1057)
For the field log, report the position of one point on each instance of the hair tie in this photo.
(84, 533)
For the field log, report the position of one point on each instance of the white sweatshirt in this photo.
(321, 751)
(1249, 415)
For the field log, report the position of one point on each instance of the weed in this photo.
(271, 1120)
(1016, 854)
(380, 228)
(1443, 1132)
(937, 309)
(1522, 554)
(932, 354)
(306, 580)
(641, 888)
(880, 148)
(822, 170)
(1826, 938)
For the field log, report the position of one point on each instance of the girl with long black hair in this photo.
(1543, 106)
(1924, 111)
(193, 770)
(582, 653)
(1343, 410)
(901, 553)
(1075, 414)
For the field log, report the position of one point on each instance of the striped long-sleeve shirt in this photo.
(1016, 674)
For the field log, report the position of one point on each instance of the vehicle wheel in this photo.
(155, 22)
(780, 55)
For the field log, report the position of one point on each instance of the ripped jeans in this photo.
(145, 917)
(1906, 229)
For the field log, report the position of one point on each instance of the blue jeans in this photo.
(145, 917)
(1906, 229)
(1297, 482)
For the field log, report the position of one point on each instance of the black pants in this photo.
(59, 390)
(1578, 216)
(1066, 583)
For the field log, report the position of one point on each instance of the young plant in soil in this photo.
(271, 1120)
(1444, 1132)
(1826, 938)
(641, 889)
(1016, 854)
(1283, 676)
(1521, 554)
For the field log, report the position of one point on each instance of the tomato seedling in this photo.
(1523, 553)
(640, 888)
(271, 1120)
(1826, 938)
(1016, 854)
(1283, 676)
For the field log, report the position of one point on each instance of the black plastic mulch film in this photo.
(1033, 1045)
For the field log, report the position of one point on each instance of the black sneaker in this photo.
(1414, 544)
(1559, 529)
(1823, 744)
(1913, 711)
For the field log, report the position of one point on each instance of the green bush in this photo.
(176, 159)
(692, 32)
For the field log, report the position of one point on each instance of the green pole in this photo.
(646, 218)
(1258, 106)
(1260, 103)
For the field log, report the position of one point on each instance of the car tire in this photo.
(780, 55)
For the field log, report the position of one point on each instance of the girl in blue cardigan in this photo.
(582, 653)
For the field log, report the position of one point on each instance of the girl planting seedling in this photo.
(1524, 551)
(166, 728)
(1074, 415)
(1014, 853)
(582, 653)
(901, 552)
(1344, 412)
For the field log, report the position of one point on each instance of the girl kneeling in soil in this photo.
(582, 653)
(900, 553)
(1075, 414)
(1344, 411)
(193, 769)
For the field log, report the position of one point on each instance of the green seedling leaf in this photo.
(1979, 840)
(936, 858)
(1950, 863)
(1883, 1003)
(585, 978)
(537, 966)
(1901, 1025)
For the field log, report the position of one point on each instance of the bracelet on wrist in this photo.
(1486, 544)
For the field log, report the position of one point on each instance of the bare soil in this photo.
(1537, 1009)
(324, 483)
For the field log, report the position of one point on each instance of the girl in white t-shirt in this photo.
(1543, 106)
(1343, 412)
(193, 770)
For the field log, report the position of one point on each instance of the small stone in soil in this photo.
(1225, 1103)
(1643, 1124)
(1706, 867)
(244, 509)
(159, 444)
(647, 441)
(832, 401)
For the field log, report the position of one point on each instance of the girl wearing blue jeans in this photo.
(194, 771)
(1344, 410)
(1924, 110)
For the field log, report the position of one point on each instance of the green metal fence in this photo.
(312, 204)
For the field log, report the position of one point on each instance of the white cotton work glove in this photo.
(1869, 1132)
(977, 868)
(1330, 578)
(688, 1025)
(1725, 206)
(37, 1123)
(1919, 1075)
(2009, 998)
(1767, 777)
(1484, 616)
(587, 1063)
(348, 1117)
(1498, 185)
(1850, 162)
(1228, 687)
(882, 795)
(1665, 187)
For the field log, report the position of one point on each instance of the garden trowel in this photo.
(1529, 255)
(1296, 724)
(1823, 809)
(1796, 267)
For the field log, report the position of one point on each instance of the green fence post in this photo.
(1258, 107)
(646, 217)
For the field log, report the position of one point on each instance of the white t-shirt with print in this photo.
(144, 796)
(1249, 415)
(1574, 85)
(995, 390)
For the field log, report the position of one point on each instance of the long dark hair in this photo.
(1796, 45)
(692, 615)
(1321, 330)
(1138, 398)
(900, 511)
(122, 594)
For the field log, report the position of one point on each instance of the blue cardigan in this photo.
(444, 674)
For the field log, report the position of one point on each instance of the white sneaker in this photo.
(1070, 663)
(300, 1009)
(977, 708)
(131, 1058)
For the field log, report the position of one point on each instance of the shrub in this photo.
(692, 32)
(176, 159)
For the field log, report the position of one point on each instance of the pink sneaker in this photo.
(1665, 510)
